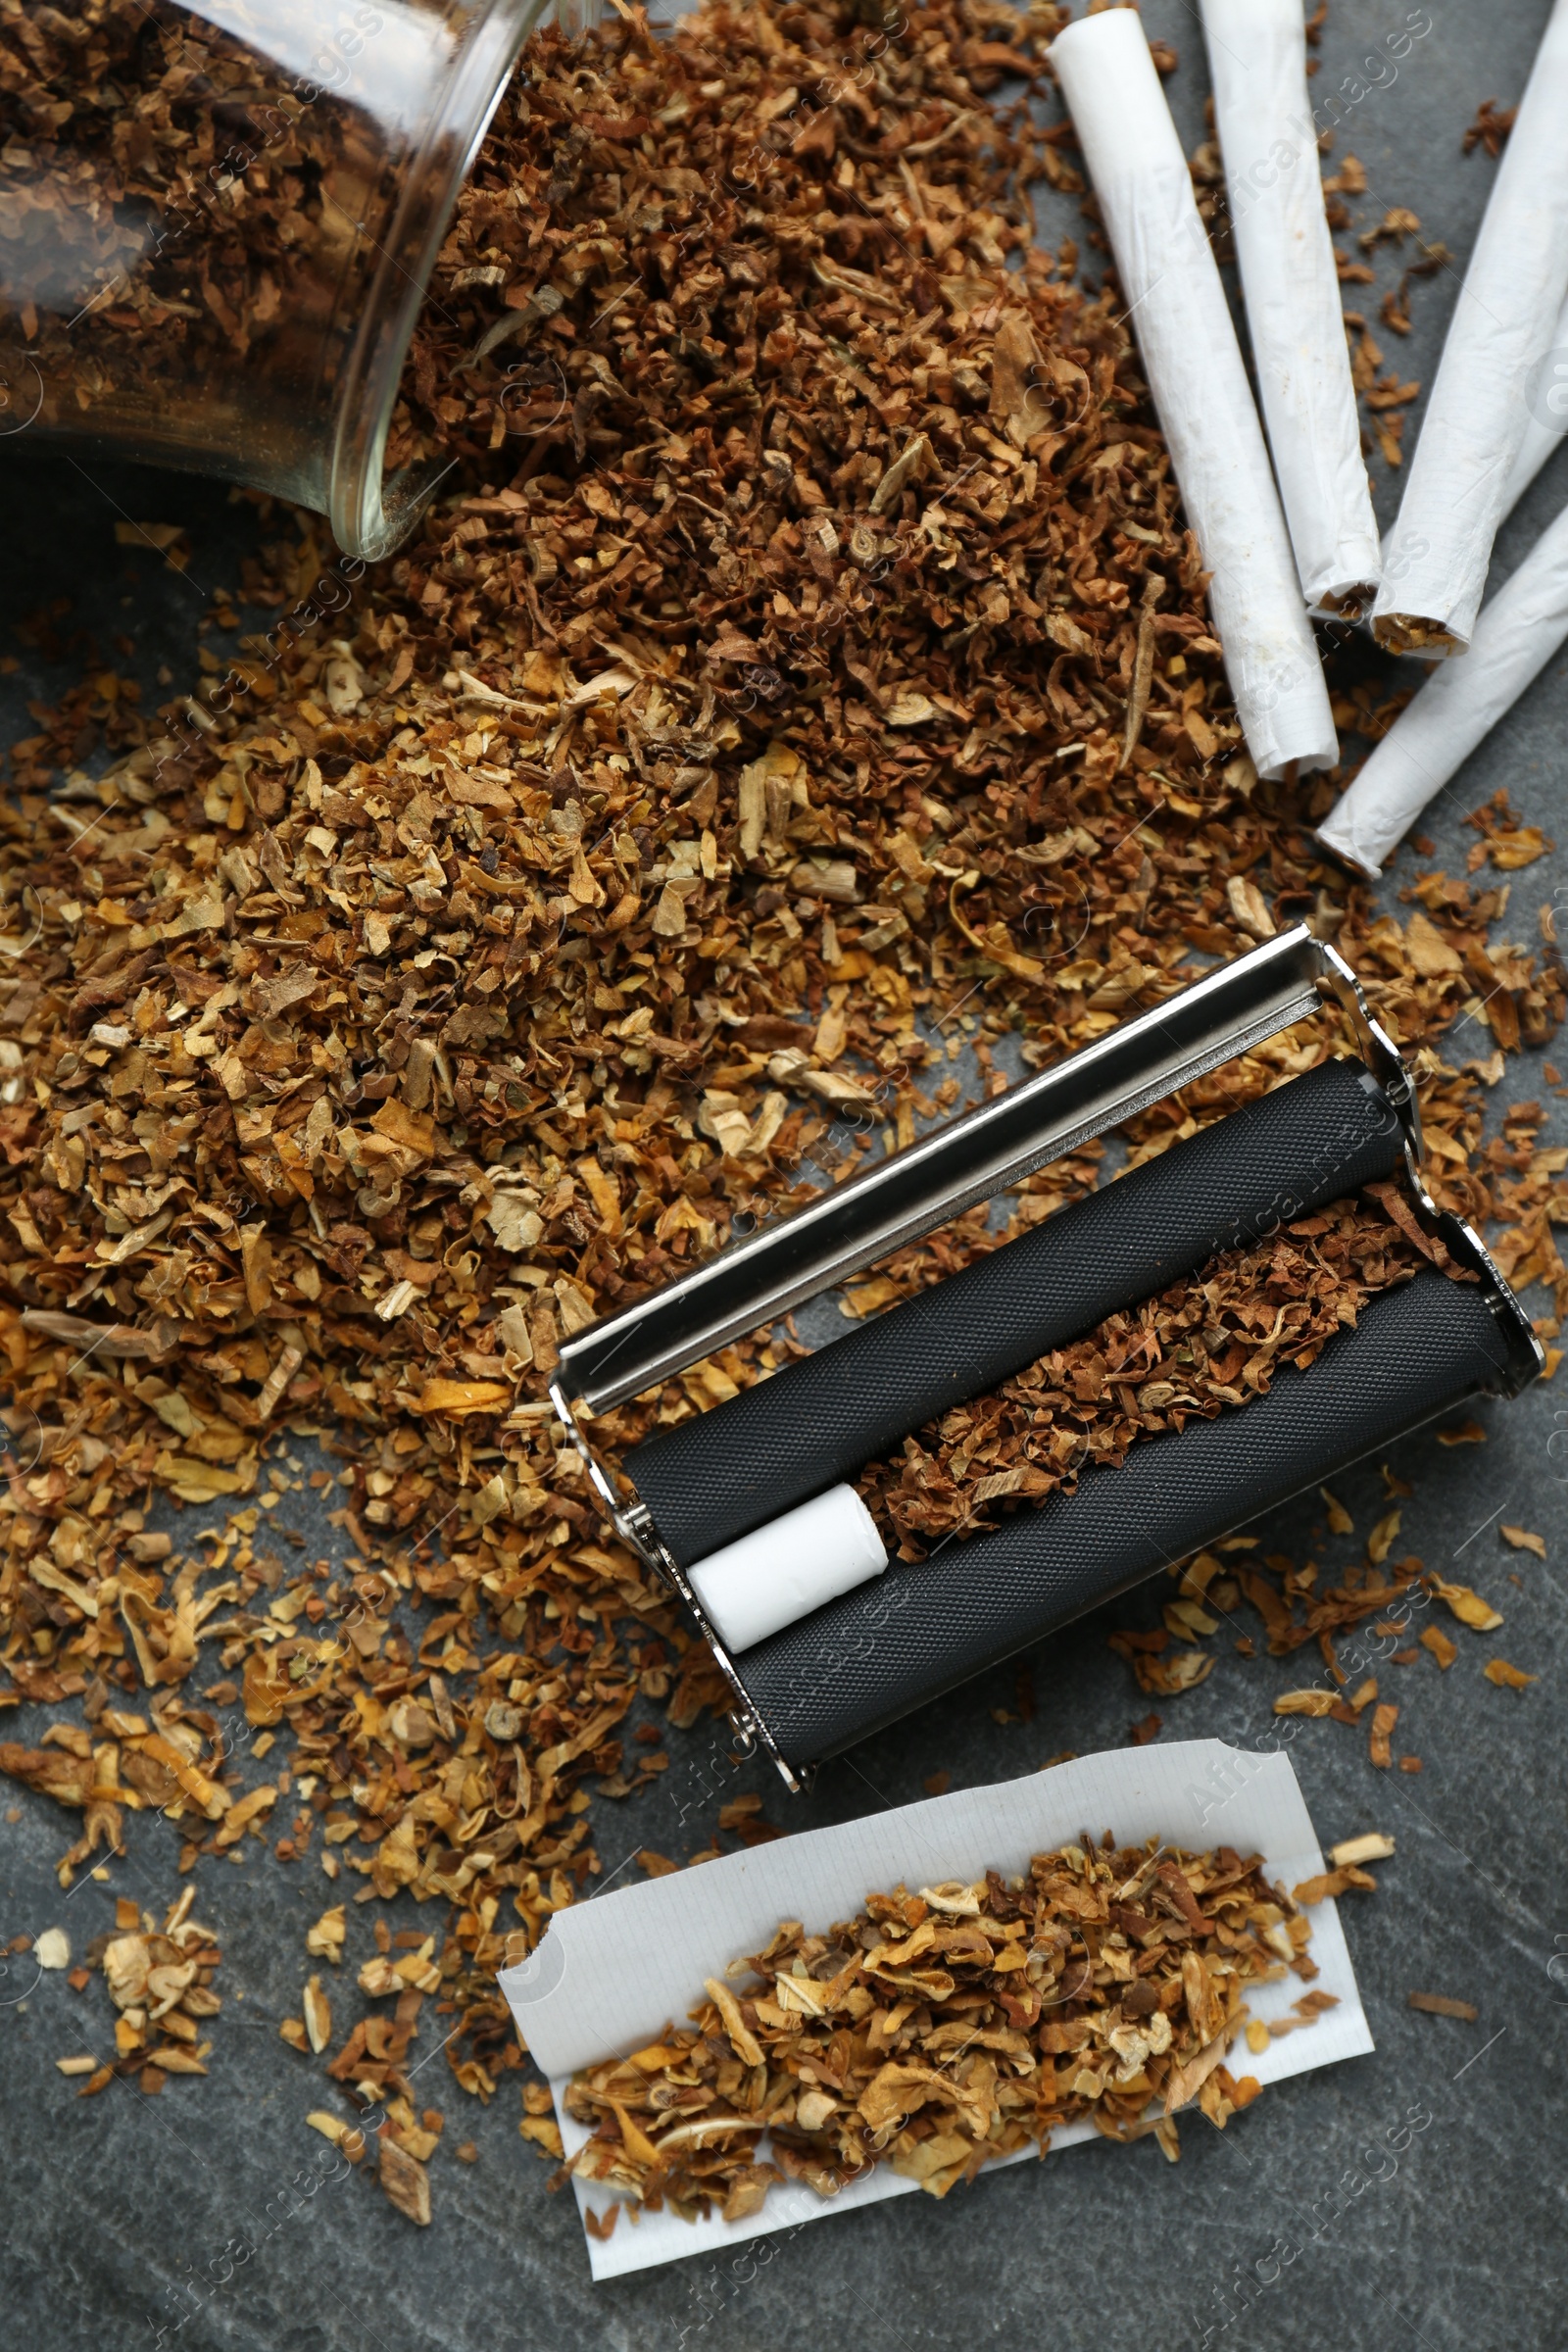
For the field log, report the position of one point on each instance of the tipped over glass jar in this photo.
(218, 224)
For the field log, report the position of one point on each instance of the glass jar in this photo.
(218, 224)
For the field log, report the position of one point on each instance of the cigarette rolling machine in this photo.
(747, 1511)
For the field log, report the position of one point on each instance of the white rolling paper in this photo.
(1547, 404)
(1435, 562)
(1257, 63)
(611, 1971)
(1519, 630)
(781, 1572)
(1199, 388)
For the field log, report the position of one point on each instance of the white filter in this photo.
(781, 1572)
(1257, 63)
(1435, 560)
(1199, 387)
(1518, 632)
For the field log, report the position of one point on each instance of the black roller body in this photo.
(1310, 1142)
(863, 1661)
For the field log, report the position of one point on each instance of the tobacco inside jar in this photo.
(216, 225)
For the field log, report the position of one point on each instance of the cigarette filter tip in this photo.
(783, 1570)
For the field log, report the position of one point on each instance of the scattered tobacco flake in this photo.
(1372, 1845)
(1336, 1882)
(1490, 128)
(937, 2031)
(160, 1981)
(1466, 1605)
(1438, 2004)
(345, 2135)
(1384, 1719)
(545, 2133)
(405, 2182)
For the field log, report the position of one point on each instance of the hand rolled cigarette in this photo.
(1435, 562)
(1199, 388)
(1257, 61)
(1546, 401)
(1547, 404)
(1519, 630)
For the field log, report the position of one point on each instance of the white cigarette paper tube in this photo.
(1518, 632)
(1257, 61)
(1548, 403)
(1199, 388)
(1435, 562)
(782, 1572)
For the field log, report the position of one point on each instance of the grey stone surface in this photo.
(1410, 2197)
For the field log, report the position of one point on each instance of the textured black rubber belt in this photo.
(913, 1632)
(1308, 1143)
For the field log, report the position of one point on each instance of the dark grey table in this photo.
(125, 2212)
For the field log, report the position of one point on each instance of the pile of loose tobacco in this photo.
(807, 674)
(939, 2030)
(160, 1982)
(1201, 1345)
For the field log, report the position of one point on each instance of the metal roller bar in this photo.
(968, 1159)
